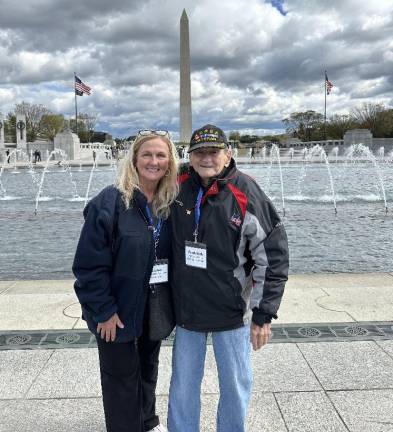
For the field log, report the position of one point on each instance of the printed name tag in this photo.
(159, 273)
(196, 255)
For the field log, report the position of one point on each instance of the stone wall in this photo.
(69, 143)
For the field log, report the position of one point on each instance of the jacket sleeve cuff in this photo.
(105, 315)
(260, 318)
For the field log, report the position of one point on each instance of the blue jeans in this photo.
(232, 353)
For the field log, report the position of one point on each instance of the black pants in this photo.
(148, 357)
(129, 374)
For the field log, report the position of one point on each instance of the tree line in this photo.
(41, 123)
(310, 125)
(307, 126)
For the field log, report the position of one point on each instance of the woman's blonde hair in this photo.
(128, 179)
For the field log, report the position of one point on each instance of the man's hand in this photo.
(259, 336)
(107, 329)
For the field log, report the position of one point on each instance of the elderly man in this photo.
(230, 265)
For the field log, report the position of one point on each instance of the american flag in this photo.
(329, 85)
(81, 87)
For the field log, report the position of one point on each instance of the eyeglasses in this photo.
(145, 132)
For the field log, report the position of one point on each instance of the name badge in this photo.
(196, 255)
(159, 273)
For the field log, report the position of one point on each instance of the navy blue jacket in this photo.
(114, 260)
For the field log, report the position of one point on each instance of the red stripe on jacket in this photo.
(240, 197)
(182, 178)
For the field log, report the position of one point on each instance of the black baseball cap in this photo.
(208, 136)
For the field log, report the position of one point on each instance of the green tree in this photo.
(33, 113)
(248, 139)
(307, 125)
(51, 124)
(375, 117)
(272, 138)
(82, 129)
(90, 122)
(234, 136)
(390, 120)
(339, 124)
(10, 128)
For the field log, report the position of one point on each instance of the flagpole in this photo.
(324, 127)
(76, 109)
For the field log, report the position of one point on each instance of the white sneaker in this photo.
(159, 428)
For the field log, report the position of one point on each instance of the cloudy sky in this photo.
(253, 62)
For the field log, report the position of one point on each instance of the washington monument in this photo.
(185, 81)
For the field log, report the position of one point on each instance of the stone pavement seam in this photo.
(38, 374)
(335, 409)
(76, 323)
(357, 390)
(353, 389)
(70, 316)
(346, 392)
(280, 411)
(308, 364)
(323, 388)
(383, 349)
(58, 398)
(4, 290)
(329, 309)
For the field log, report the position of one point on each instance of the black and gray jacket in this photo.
(247, 254)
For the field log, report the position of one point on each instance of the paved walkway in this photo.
(328, 368)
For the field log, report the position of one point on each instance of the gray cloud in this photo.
(251, 65)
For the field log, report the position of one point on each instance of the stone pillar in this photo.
(21, 140)
(69, 143)
(2, 146)
(185, 81)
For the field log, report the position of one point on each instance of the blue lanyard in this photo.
(198, 213)
(157, 228)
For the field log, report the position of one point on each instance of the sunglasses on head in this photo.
(145, 132)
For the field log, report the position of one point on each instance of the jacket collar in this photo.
(139, 198)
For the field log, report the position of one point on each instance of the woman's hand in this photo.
(107, 329)
(259, 336)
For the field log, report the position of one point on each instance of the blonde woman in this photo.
(125, 232)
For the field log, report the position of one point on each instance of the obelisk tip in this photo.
(184, 15)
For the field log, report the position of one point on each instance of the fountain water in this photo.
(15, 154)
(264, 154)
(184, 154)
(99, 153)
(360, 150)
(302, 175)
(334, 153)
(358, 241)
(318, 150)
(275, 152)
(67, 167)
(290, 153)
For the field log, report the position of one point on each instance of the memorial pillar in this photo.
(21, 140)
